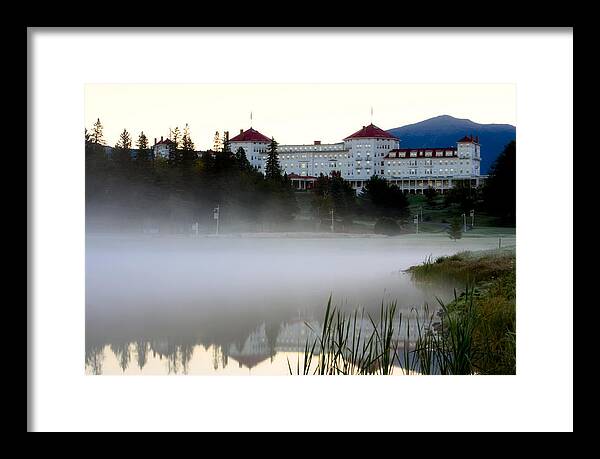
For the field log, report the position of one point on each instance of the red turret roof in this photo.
(371, 131)
(166, 142)
(469, 139)
(251, 135)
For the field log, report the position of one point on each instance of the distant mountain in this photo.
(445, 130)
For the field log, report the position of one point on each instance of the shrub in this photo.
(386, 225)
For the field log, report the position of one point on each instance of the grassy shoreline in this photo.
(489, 300)
(475, 333)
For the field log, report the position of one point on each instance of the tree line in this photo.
(126, 191)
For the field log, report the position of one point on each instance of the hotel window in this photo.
(413, 154)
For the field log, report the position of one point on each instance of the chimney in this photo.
(477, 139)
(241, 131)
(226, 136)
(161, 138)
(317, 142)
(154, 140)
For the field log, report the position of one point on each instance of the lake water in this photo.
(239, 305)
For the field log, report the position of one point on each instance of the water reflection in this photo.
(239, 306)
(265, 344)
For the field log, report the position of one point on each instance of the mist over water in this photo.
(229, 304)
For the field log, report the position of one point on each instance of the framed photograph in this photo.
(364, 232)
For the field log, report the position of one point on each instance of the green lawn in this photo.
(436, 217)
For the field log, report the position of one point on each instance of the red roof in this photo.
(251, 135)
(371, 131)
(296, 176)
(469, 139)
(166, 141)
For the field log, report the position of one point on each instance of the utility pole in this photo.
(216, 217)
(416, 221)
(464, 222)
(332, 220)
(472, 218)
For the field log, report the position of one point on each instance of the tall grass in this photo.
(341, 348)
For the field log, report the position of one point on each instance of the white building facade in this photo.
(368, 152)
(416, 169)
(162, 148)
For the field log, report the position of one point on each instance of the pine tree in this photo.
(97, 135)
(187, 146)
(142, 142)
(242, 159)
(122, 150)
(124, 140)
(88, 136)
(430, 195)
(186, 141)
(455, 230)
(499, 190)
(272, 168)
(226, 145)
(217, 142)
(175, 137)
(143, 151)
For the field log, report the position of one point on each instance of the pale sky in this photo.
(292, 113)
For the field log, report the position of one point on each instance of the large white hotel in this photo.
(369, 151)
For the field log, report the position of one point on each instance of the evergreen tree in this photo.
(462, 194)
(122, 150)
(226, 145)
(272, 168)
(88, 136)
(217, 142)
(455, 230)
(335, 193)
(385, 199)
(187, 146)
(186, 141)
(143, 153)
(500, 189)
(242, 159)
(142, 142)
(430, 195)
(97, 135)
(124, 140)
(175, 137)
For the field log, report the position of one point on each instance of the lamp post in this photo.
(332, 220)
(216, 217)
(472, 218)
(464, 222)
(416, 221)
